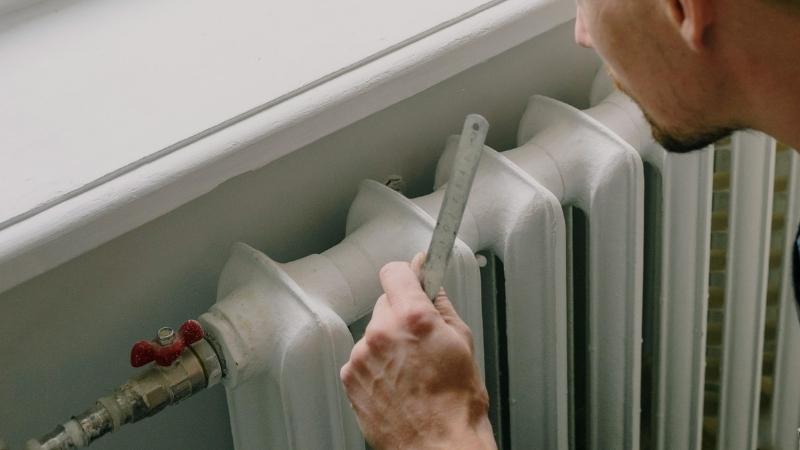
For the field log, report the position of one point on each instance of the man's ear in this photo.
(692, 18)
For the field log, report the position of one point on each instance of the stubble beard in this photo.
(674, 140)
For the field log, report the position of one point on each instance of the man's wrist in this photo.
(477, 436)
(459, 435)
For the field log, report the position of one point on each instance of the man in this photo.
(700, 69)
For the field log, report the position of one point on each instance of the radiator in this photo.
(620, 297)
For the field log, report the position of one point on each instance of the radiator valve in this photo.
(167, 346)
(185, 363)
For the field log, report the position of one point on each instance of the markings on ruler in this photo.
(456, 194)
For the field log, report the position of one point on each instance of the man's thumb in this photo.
(445, 307)
(442, 301)
(416, 264)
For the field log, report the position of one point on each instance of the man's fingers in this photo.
(451, 317)
(381, 313)
(382, 328)
(360, 363)
(401, 284)
(416, 264)
(445, 307)
(351, 382)
(405, 295)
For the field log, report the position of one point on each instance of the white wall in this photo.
(67, 334)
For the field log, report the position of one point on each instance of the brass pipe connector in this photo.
(197, 368)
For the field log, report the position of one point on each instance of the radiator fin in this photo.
(716, 291)
(776, 272)
(744, 276)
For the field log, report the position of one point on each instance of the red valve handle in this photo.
(144, 352)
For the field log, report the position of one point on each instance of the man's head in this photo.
(688, 63)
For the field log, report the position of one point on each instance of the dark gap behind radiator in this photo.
(651, 304)
(357, 329)
(495, 347)
(578, 327)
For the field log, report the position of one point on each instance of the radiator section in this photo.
(284, 326)
(677, 214)
(601, 175)
(677, 217)
(746, 266)
(521, 222)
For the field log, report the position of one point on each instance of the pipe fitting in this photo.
(142, 396)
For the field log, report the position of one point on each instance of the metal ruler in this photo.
(465, 164)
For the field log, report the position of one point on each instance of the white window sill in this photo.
(116, 112)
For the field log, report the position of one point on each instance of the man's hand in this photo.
(412, 379)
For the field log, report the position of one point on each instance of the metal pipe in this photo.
(142, 396)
